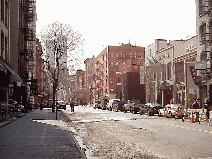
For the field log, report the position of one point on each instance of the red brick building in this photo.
(108, 64)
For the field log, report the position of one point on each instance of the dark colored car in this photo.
(98, 104)
(61, 105)
(118, 105)
(150, 109)
(135, 106)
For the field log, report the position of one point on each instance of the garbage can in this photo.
(197, 116)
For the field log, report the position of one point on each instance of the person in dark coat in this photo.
(207, 102)
(72, 106)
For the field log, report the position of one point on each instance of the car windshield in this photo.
(155, 105)
(61, 103)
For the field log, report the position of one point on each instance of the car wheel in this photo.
(134, 112)
(159, 114)
(170, 116)
(64, 108)
(148, 113)
(140, 112)
(124, 110)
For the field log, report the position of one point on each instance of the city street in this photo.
(108, 134)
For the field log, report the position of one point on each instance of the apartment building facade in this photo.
(172, 75)
(108, 67)
(18, 49)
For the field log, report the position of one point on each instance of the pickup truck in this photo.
(133, 106)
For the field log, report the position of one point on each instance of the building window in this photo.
(140, 55)
(123, 55)
(6, 14)
(117, 55)
(6, 50)
(131, 56)
(117, 63)
(203, 56)
(111, 72)
(169, 70)
(2, 45)
(111, 54)
(111, 63)
(2, 10)
(202, 31)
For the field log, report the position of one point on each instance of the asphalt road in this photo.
(152, 136)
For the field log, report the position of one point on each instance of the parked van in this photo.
(110, 103)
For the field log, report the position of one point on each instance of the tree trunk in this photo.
(54, 93)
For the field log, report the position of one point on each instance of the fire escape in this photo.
(28, 52)
(205, 40)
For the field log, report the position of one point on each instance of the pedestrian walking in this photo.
(171, 101)
(41, 106)
(207, 102)
(72, 106)
(179, 114)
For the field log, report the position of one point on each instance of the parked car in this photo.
(21, 108)
(110, 103)
(135, 106)
(104, 104)
(97, 104)
(61, 105)
(170, 110)
(75, 103)
(118, 105)
(150, 109)
(127, 106)
(12, 106)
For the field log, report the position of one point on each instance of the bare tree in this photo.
(60, 43)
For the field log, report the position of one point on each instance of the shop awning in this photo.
(16, 76)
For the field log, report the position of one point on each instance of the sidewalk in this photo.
(38, 135)
(10, 117)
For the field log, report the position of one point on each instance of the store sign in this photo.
(164, 56)
(201, 65)
(190, 48)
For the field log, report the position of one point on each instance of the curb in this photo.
(9, 120)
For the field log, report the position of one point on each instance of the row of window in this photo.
(123, 55)
(112, 63)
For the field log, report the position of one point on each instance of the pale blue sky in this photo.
(110, 22)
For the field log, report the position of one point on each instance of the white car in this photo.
(170, 110)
